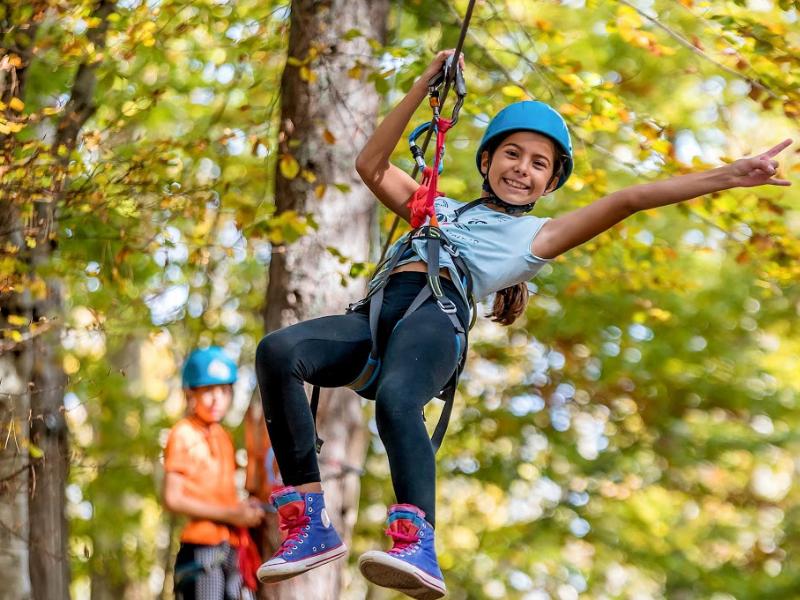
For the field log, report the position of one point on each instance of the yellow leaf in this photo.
(355, 72)
(34, 450)
(308, 176)
(319, 191)
(328, 137)
(129, 108)
(307, 74)
(30, 242)
(16, 104)
(572, 80)
(289, 166)
(71, 364)
(514, 91)
(17, 320)
(582, 274)
(38, 288)
(660, 314)
(661, 146)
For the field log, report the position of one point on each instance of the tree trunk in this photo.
(327, 113)
(49, 566)
(16, 361)
(14, 399)
(32, 376)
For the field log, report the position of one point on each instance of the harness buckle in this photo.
(426, 232)
(451, 250)
(447, 305)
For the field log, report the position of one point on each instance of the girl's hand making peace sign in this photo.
(758, 170)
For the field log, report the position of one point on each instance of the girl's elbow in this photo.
(370, 169)
(629, 205)
(632, 207)
(363, 167)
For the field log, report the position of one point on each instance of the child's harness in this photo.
(435, 239)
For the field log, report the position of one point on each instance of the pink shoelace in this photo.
(294, 531)
(401, 541)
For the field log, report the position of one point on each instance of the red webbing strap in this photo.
(421, 203)
(419, 200)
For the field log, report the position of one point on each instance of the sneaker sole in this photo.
(276, 573)
(389, 572)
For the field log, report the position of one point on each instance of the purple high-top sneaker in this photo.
(410, 566)
(311, 540)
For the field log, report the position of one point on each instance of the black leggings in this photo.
(420, 354)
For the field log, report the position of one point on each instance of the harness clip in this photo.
(451, 250)
(447, 305)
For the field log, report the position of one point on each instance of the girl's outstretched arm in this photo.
(390, 184)
(574, 228)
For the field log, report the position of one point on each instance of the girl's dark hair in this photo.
(509, 304)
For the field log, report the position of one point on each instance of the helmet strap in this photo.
(511, 209)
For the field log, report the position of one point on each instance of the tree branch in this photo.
(686, 43)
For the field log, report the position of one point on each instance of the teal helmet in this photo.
(530, 115)
(208, 366)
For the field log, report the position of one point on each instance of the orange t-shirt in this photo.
(203, 454)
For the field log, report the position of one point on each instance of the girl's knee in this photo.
(274, 352)
(394, 409)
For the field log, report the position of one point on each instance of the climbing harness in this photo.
(435, 239)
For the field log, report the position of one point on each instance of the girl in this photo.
(419, 298)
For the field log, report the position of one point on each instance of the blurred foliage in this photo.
(632, 437)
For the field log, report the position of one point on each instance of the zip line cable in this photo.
(447, 84)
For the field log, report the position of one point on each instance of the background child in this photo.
(199, 483)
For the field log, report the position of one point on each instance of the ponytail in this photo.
(509, 304)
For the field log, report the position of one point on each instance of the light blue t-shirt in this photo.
(496, 247)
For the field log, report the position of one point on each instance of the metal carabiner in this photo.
(416, 151)
(447, 73)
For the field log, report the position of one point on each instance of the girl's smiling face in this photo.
(521, 167)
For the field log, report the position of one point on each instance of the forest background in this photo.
(181, 173)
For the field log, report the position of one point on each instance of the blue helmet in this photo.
(208, 366)
(530, 115)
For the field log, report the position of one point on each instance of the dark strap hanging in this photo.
(314, 406)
